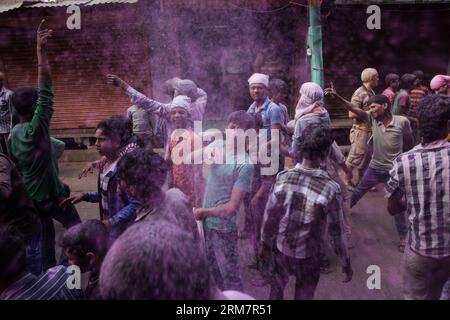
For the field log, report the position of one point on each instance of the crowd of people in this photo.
(165, 233)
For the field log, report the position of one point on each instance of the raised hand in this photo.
(113, 80)
(331, 90)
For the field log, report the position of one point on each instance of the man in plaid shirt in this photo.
(422, 176)
(302, 202)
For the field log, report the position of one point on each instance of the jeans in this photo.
(424, 277)
(34, 255)
(49, 210)
(223, 258)
(370, 179)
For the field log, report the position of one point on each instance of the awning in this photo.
(6, 5)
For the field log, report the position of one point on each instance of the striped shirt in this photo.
(52, 285)
(415, 96)
(301, 203)
(423, 175)
(6, 110)
(105, 176)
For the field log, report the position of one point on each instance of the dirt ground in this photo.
(374, 236)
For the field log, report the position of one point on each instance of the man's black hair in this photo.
(315, 142)
(244, 120)
(24, 99)
(419, 74)
(379, 99)
(433, 112)
(143, 169)
(12, 246)
(407, 81)
(155, 260)
(391, 77)
(258, 119)
(87, 236)
(118, 128)
(277, 85)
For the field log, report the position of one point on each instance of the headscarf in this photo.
(169, 85)
(311, 96)
(186, 87)
(439, 81)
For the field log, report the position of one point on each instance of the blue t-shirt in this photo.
(271, 114)
(222, 179)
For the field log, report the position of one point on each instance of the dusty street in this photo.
(374, 237)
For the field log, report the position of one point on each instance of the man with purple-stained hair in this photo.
(419, 182)
(86, 245)
(226, 186)
(303, 203)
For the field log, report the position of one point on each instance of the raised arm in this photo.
(360, 114)
(40, 122)
(44, 75)
(138, 98)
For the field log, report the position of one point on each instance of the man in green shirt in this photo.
(32, 151)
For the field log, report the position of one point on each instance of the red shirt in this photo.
(415, 95)
(390, 94)
(186, 177)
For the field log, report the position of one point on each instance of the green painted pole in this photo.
(315, 42)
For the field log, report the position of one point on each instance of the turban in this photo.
(186, 87)
(439, 81)
(259, 78)
(367, 74)
(169, 85)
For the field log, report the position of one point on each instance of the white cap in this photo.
(259, 78)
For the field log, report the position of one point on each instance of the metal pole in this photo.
(315, 42)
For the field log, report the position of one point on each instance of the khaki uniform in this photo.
(360, 152)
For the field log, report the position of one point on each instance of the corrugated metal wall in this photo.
(108, 41)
